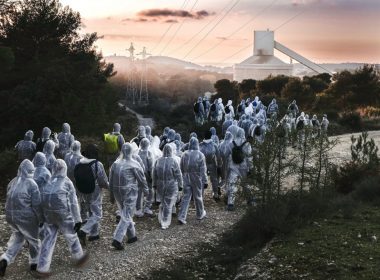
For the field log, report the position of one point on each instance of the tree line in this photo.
(50, 73)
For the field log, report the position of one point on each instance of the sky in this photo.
(220, 32)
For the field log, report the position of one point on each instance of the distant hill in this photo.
(170, 65)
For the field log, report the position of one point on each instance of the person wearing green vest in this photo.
(113, 142)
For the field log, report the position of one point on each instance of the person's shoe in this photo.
(40, 275)
(230, 207)
(164, 227)
(132, 240)
(33, 267)
(174, 214)
(117, 245)
(139, 214)
(82, 238)
(181, 222)
(3, 267)
(204, 215)
(93, 238)
(216, 197)
(82, 261)
(118, 218)
(148, 211)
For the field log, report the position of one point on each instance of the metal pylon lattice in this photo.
(143, 94)
(132, 92)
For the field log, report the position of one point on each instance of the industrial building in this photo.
(263, 62)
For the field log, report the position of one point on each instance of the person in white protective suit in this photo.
(125, 175)
(148, 133)
(61, 214)
(240, 163)
(23, 214)
(186, 146)
(226, 124)
(147, 159)
(221, 111)
(49, 153)
(229, 110)
(141, 134)
(234, 128)
(116, 131)
(214, 136)
(214, 111)
(72, 158)
(240, 108)
(324, 125)
(65, 139)
(272, 110)
(300, 127)
(293, 108)
(26, 148)
(157, 153)
(45, 136)
(91, 203)
(167, 179)
(193, 167)
(42, 175)
(199, 112)
(213, 163)
(225, 153)
(178, 138)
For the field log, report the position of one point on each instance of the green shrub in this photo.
(345, 205)
(370, 112)
(368, 189)
(8, 168)
(351, 120)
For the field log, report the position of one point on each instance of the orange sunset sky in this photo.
(221, 31)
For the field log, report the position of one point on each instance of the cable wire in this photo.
(223, 17)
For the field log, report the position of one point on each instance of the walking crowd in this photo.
(59, 187)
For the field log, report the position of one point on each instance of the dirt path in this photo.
(155, 246)
(142, 121)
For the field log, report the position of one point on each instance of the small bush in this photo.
(368, 189)
(352, 120)
(345, 205)
(8, 168)
(370, 112)
(347, 176)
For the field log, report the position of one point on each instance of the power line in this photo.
(223, 17)
(169, 27)
(179, 27)
(238, 29)
(200, 31)
(251, 44)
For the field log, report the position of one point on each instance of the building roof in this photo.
(263, 59)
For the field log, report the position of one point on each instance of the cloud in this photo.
(164, 13)
(171, 21)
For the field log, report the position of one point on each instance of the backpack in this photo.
(196, 108)
(84, 177)
(257, 130)
(40, 145)
(314, 122)
(292, 107)
(300, 125)
(213, 107)
(111, 145)
(240, 108)
(254, 104)
(227, 109)
(237, 153)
